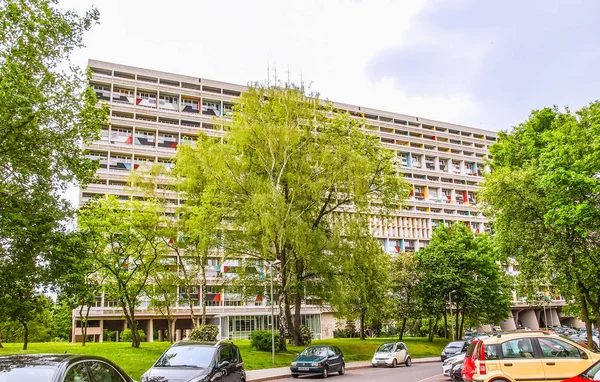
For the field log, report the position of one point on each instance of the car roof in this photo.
(44, 359)
(523, 334)
(201, 343)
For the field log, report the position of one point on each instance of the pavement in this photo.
(284, 372)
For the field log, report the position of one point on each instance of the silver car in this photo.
(391, 354)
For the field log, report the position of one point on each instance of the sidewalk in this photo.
(282, 372)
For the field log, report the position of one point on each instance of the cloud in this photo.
(510, 57)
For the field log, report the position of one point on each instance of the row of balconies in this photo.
(181, 87)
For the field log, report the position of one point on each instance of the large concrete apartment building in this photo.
(152, 112)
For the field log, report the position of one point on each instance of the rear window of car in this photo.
(471, 349)
(30, 373)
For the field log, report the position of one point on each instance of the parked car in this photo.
(391, 354)
(456, 371)
(469, 361)
(450, 362)
(198, 361)
(319, 360)
(591, 374)
(454, 348)
(59, 368)
(530, 356)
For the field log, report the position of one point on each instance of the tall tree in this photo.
(404, 280)
(45, 115)
(364, 278)
(130, 249)
(463, 268)
(290, 164)
(542, 195)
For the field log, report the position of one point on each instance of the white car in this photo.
(391, 354)
(450, 362)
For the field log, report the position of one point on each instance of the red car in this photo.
(469, 363)
(591, 374)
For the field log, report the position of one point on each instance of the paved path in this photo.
(423, 372)
(361, 371)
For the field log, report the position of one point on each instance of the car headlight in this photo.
(317, 364)
(199, 379)
(294, 363)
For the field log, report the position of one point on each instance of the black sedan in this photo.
(319, 360)
(59, 368)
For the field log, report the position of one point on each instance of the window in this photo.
(102, 372)
(78, 373)
(225, 354)
(521, 348)
(553, 348)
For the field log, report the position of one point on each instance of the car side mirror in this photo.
(223, 364)
(297, 354)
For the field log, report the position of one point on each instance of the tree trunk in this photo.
(84, 323)
(170, 328)
(462, 322)
(203, 303)
(430, 332)
(586, 319)
(296, 335)
(456, 326)
(402, 329)
(362, 324)
(25, 334)
(1, 346)
(446, 334)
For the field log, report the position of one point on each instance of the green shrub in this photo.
(261, 340)
(125, 335)
(206, 333)
(305, 335)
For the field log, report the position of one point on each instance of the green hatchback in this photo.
(319, 360)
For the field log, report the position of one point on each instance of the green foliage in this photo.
(348, 331)
(205, 333)
(543, 196)
(129, 244)
(127, 336)
(45, 115)
(457, 262)
(262, 340)
(282, 187)
(305, 334)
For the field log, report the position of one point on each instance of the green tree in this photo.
(462, 266)
(290, 167)
(364, 280)
(404, 280)
(542, 195)
(45, 115)
(130, 246)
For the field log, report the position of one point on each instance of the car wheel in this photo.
(373, 365)
(408, 362)
(394, 363)
(294, 375)
(342, 370)
(325, 372)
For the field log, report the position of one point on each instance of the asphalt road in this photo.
(429, 372)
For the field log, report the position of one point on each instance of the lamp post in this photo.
(271, 265)
(451, 318)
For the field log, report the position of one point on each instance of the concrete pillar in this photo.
(73, 328)
(462, 167)
(529, 319)
(187, 333)
(508, 324)
(101, 339)
(160, 335)
(436, 163)
(177, 334)
(150, 330)
(117, 336)
(554, 319)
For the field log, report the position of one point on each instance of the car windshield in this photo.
(454, 345)
(320, 351)
(30, 373)
(385, 348)
(593, 373)
(187, 356)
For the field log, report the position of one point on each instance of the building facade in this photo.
(152, 113)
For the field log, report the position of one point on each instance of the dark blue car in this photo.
(319, 360)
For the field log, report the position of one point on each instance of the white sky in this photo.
(329, 43)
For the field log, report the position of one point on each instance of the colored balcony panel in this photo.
(100, 157)
(123, 95)
(102, 91)
(145, 99)
(120, 162)
(212, 108)
(166, 140)
(121, 135)
(189, 105)
(145, 138)
(168, 102)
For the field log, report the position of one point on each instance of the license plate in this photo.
(303, 368)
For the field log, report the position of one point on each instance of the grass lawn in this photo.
(136, 361)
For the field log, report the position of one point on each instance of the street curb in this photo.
(348, 367)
